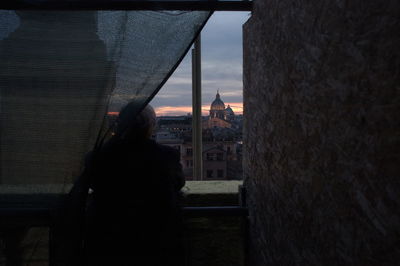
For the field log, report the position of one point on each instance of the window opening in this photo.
(220, 173)
(209, 173)
(221, 123)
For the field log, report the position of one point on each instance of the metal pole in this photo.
(196, 105)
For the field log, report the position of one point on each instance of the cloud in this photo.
(226, 84)
(173, 110)
(187, 81)
(233, 94)
(221, 66)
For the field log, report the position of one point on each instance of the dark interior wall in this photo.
(322, 132)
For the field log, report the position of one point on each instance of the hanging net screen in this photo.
(62, 71)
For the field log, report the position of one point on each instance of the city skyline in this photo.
(237, 108)
(221, 69)
(183, 110)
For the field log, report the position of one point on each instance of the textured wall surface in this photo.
(322, 132)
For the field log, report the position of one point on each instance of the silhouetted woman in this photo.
(134, 217)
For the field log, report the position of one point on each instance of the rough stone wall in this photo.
(322, 132)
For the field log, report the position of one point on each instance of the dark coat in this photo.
(135, 217)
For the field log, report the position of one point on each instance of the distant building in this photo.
(216, 159)
(222, 136)
(217, 109)
(217, 156)
(214, 163)
(216, 122)
(229, 114)
(177, 124)
(219, 115)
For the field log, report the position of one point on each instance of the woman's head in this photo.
(133, 125)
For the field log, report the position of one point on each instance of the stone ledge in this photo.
(196, 193)
(211, 193)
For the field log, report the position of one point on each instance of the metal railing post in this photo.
(196, 105)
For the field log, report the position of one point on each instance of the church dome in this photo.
(229, 110)
(218, 104)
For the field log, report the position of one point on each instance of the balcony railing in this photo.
(204, 221)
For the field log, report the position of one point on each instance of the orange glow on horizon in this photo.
(113, 113)
(237, 108)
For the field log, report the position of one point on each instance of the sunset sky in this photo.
(221, 66)
(221, 69)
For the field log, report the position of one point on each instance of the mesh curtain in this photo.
(62, 71)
